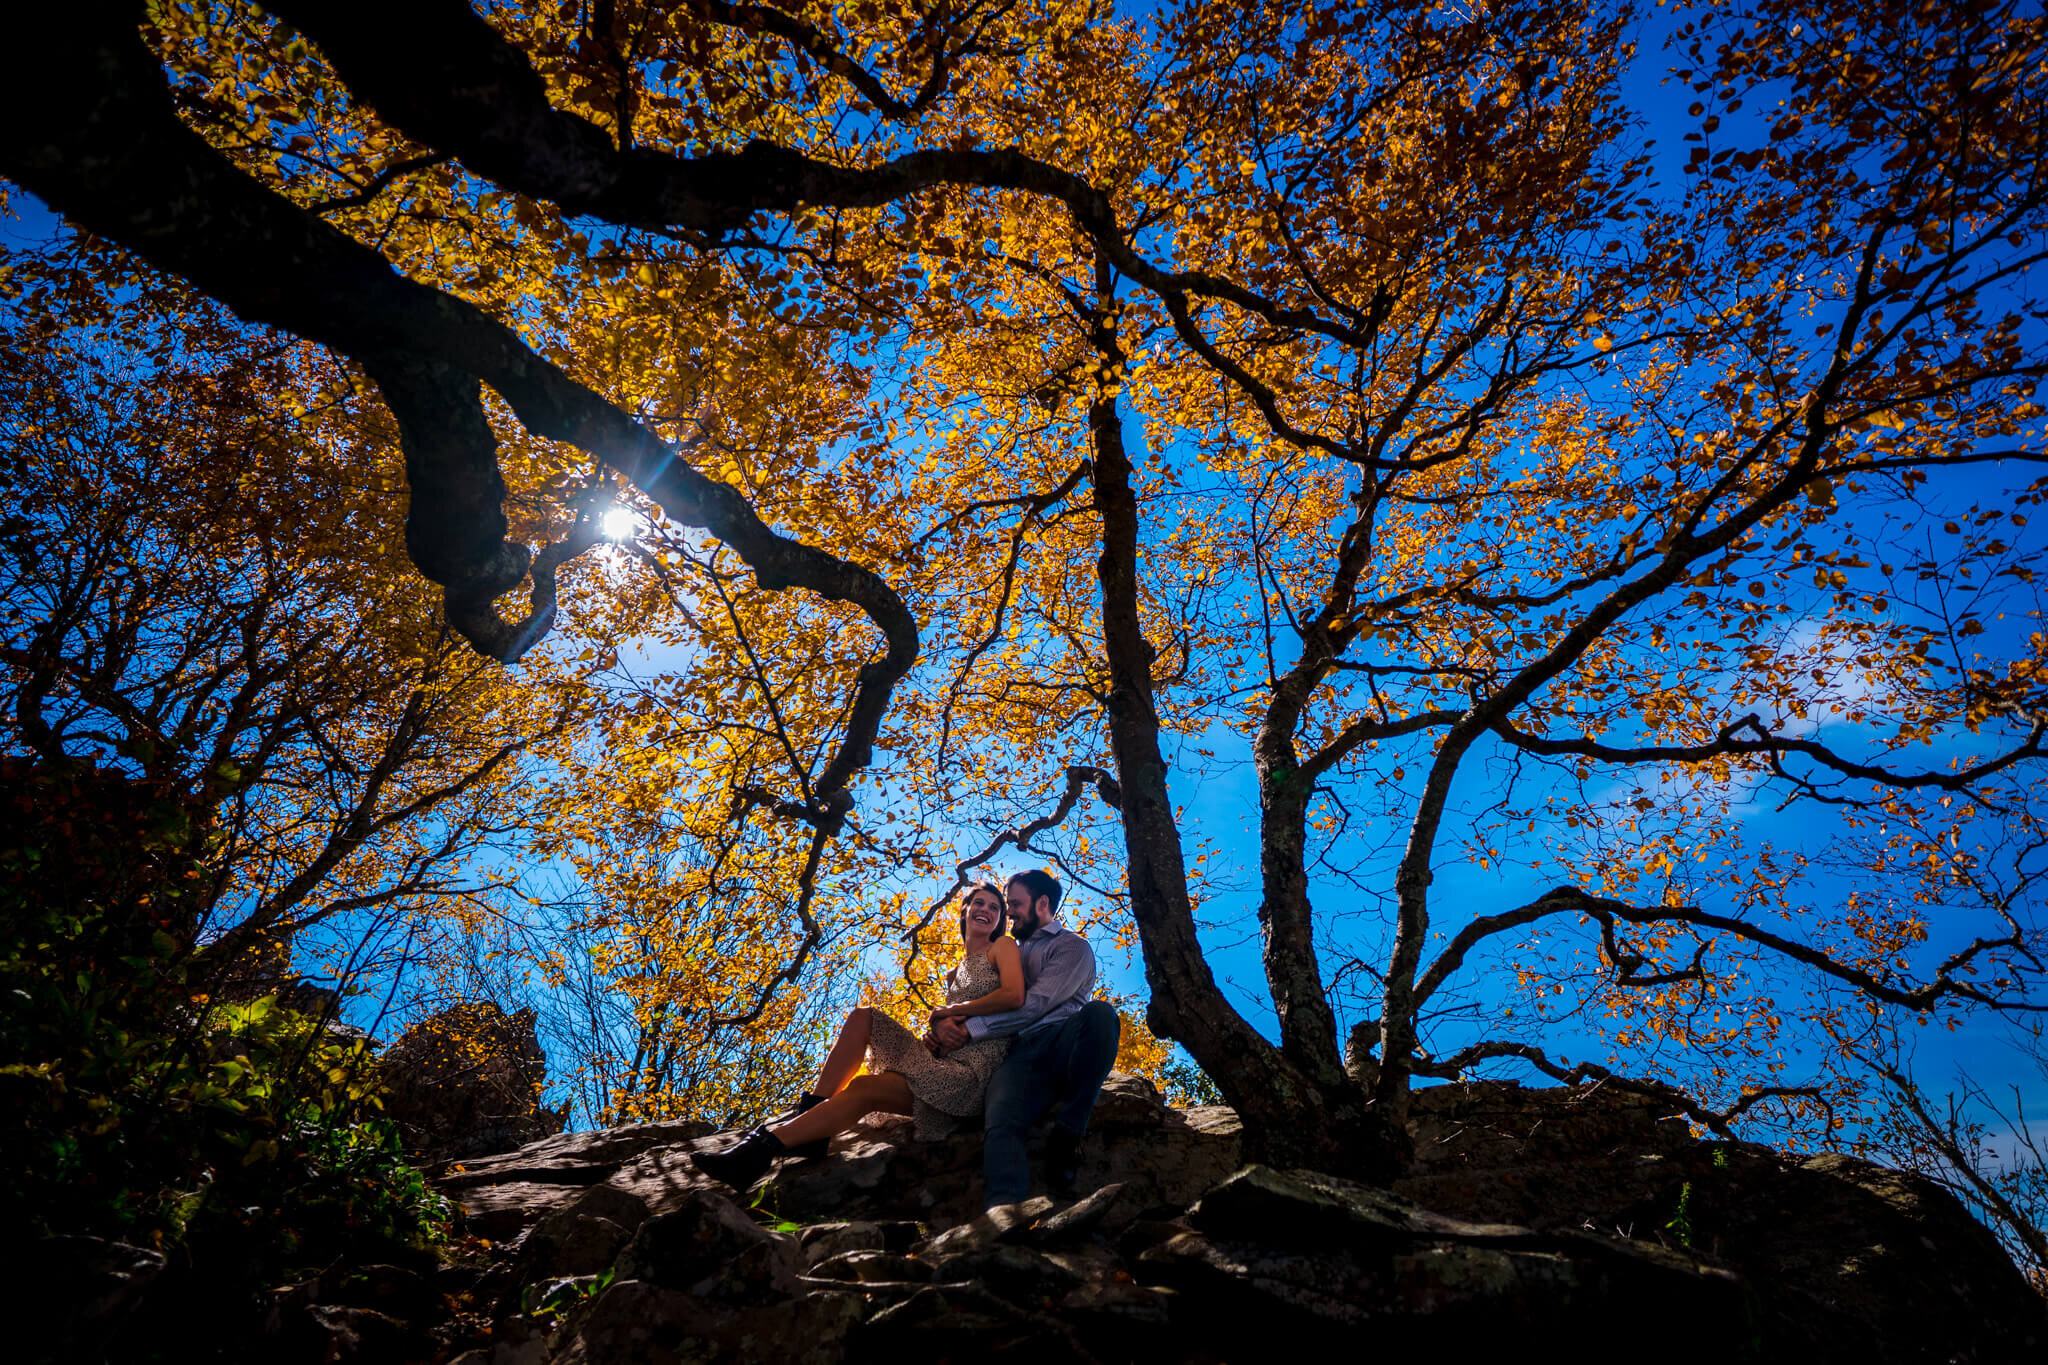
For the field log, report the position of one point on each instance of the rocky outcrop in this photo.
(1847, 1259)
(1580, 1214)
(1581, 1217)
(1296, 1256)
(466, 1080)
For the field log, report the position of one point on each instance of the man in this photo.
(1065, 1044)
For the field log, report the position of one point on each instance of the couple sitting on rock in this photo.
(1018, 1035)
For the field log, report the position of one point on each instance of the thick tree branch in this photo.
(95, 134)
(446, 79)
(790, 971)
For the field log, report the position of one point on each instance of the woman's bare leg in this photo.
(847, 1054)
(887, 1093)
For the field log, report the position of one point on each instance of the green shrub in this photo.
(132, 1106)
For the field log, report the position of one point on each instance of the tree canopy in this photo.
(1015, 404)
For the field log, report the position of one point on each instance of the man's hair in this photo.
(1038, 882)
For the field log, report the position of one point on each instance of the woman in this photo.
(905, 1074)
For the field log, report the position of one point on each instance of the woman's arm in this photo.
(1006, 996)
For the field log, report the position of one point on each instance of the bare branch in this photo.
(380, 182)
(1720, 1121)
(1079, 779)
(1565, 899)
(1943, 1138)
(1728, 743)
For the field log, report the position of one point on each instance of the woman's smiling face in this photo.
(983, 914)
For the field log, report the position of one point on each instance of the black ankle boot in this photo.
(1062, 1161)
(741, 1164)
(816, 1147)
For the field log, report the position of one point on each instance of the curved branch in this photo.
(1360, 731)
(807, 882)
(1726, 744)
(938, 30)
(446, 78)
(1454, 1066)
(96, 136)
(1569, 899)
(1079, 778)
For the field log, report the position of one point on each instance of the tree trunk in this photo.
(1293, 1115)
(1308, 1028)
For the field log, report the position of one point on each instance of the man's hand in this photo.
(952, 1035)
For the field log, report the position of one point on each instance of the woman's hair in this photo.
(1002, 908)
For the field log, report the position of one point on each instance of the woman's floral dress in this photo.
(945, 1089)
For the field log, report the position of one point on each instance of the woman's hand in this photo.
(953, 1036)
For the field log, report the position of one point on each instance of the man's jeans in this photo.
(1063, 1067)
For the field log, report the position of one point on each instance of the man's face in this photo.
(1024, 917)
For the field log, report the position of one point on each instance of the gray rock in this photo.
(628, 1210)
(573, 1158)
(1146, 1233)
(873, 1267)
(662, 1178)
(570, 1243)
(710, 1249)
(877, 1174)
(1849, 1260)
(1128, 1101)
(1307, 1209)
(1003, 1223)
(1167, 1157)
(389, 1289)
(1104, 1215)
(1821, 1259)
(635, 1323)
(1315, 1260)
(467, 1080)
(846, 1181)
(1017, 1273)
(965, 1322)
(504, 1213)
(1854, 1261)
(821, 1241)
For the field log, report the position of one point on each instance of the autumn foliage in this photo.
(1006, 414)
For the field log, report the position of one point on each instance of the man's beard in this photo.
(1023, 929)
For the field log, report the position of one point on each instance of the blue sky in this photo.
(1220, 796)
